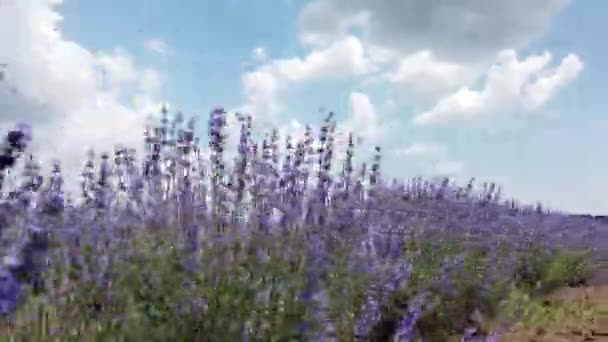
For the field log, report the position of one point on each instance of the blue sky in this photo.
(210, 41)
(503, 91)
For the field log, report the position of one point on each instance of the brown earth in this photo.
(596, 293)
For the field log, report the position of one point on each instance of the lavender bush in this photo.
(272, 245)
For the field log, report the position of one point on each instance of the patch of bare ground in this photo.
(592, 328)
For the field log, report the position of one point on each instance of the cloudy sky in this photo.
(509, 91)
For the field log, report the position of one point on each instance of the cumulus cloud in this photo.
(74, 97)
(157, 45)
(344, 57)
(539, 92)
(363, 119)
(425, 75)
(117, 69)
(261, 89)
(509, 81)
(426, 49)
(262, 86)
(458, 30)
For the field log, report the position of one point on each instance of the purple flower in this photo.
(405, 329)
(368, 318)
(10, 292)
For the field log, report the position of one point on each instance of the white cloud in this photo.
(539, 92)
(117, 69)
(420, 150)
(363, 120)
(364, 123)
(150, 81)
(73, 96)
(463, 30)
(425, 75)
(262, 93)
(344, 58)
(157, 45)
(431, 48)
(320, 25)
(508, 82)
(438, 48)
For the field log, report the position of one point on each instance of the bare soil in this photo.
(596, 293)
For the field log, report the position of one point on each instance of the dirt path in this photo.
(600, 277)
(596, 292)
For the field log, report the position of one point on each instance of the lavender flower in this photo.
(405, 329)
(10, 292)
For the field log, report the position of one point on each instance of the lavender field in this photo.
(287, 241)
